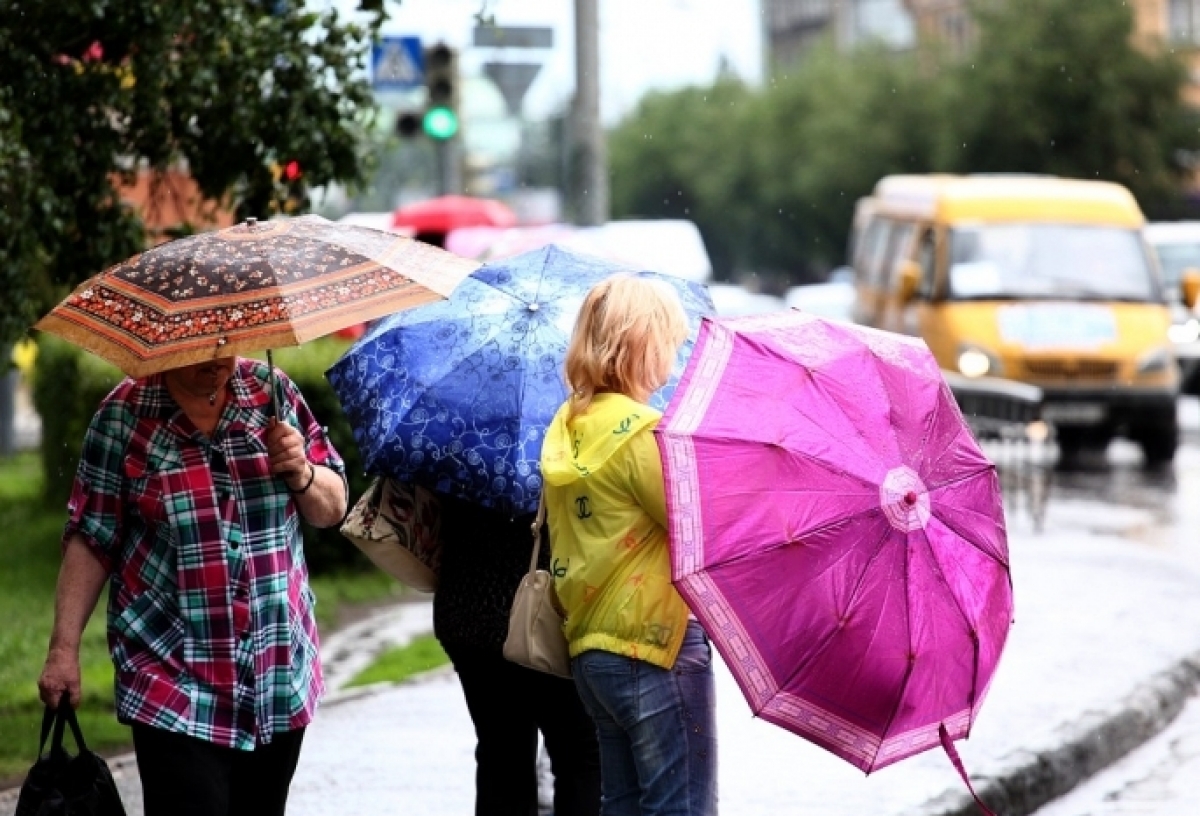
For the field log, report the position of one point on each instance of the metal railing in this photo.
(1005, 417)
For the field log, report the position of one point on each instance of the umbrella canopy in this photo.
(457, 395)
(246, 288)
(451, 212)
(838, 531)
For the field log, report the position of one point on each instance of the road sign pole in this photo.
(591, 180)
(449, 166)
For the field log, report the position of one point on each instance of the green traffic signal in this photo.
(440, 123)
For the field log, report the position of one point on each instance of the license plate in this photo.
(1074, 413)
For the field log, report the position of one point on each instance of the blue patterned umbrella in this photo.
(457, 395)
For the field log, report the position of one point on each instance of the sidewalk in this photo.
(1104, 653)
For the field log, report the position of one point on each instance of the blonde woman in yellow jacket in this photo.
(642, 665)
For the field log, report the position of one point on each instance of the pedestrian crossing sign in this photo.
(398, 64)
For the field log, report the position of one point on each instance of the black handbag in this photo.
(59, 784)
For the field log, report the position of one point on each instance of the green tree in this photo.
(1060, 87)
(684, 154)
(259, 99)
(771, 175)
(830, 129)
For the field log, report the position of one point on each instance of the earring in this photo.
(212, 398)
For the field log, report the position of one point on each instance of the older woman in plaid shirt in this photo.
(188, 502)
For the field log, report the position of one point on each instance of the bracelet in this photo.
(312, 474)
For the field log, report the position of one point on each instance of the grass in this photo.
(30, 554)
(421, 655)
(341, 593)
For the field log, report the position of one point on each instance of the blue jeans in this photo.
(657, 730)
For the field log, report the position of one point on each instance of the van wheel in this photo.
(1159, 441)
(1075, 442)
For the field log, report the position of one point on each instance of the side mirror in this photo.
(1190, 284)
(908, 280)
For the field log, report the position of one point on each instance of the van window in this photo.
(900, 248)
(873, 243)
(1175, 259)
(927, 260)
(1049, 261)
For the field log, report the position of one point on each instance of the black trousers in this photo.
(186, 776)
(509, 704)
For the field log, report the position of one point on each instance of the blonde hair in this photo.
(625, 340)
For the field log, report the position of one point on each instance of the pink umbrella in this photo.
(839, 533)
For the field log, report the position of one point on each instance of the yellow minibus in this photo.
(1036, 279)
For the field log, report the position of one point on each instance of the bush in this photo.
(69, 385)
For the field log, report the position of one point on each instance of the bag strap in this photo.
(536, 529)
(60, 718)
(956, 760)
(68, 714)
(49, 718)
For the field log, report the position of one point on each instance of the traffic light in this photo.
(409, 123)
(441, 84)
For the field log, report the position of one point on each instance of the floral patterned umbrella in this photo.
(247, 288)
(457, 396)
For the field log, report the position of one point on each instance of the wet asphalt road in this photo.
(1111, 492)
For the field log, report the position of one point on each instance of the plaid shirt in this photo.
(210, 616)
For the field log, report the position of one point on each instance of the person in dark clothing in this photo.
(484, 556)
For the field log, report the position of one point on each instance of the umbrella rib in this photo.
(257, 248)
(958, 529)
(975, 639)
(879, 368)
(941, 576)
(816, 424)
(954, 528)
(908, 670)
(945, 450)
(829, 467)
(737, 559)
(960, 478)
(820, 650)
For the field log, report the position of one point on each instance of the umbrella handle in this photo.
(272, 385)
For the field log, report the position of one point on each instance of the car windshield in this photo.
(1049, 261)
(1175, 259)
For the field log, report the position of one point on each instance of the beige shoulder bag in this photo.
(535, 626)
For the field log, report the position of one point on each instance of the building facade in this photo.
(1173, 23)
(793, 27)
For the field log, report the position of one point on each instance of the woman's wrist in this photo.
(312, 475)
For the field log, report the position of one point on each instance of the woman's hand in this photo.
(319, 493)
(80, 581)
(285, 449)
(60, 675)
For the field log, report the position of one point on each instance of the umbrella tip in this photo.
(910, 498)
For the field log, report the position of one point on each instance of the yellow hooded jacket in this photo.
(607, 512)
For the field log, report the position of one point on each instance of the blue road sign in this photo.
(398, 64)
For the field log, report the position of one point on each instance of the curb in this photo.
(349, 695)
(1089, 746)
(126, 763)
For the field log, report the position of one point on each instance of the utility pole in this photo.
(591, 176)
(449, 166)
